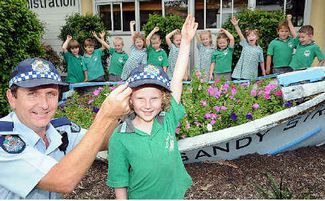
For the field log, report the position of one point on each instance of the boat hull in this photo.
(299, 126)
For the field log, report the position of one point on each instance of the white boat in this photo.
(289, 129)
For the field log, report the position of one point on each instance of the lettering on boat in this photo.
(280, 134)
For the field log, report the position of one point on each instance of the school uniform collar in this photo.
(278, 38)
(128, 127)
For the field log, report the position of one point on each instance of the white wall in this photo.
(52, 13)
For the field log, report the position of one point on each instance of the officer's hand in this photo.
(117, 102)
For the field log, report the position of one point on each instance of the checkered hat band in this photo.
(145, 75)
(34, 75)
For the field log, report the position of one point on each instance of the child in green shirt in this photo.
(93, 58)
(156, 55)
(117, 60)
(74, 61)
(306, 49)
(144, 160)
(280, 49)
(222, 57)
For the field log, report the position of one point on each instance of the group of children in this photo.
(287, 52)
(144, 160)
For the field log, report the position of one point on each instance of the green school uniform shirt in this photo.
(281, 52)
(94, 64)
(117, 62)
(150, 166)
(223, 60)
(157, 57)
(305, 55)
(75, 67)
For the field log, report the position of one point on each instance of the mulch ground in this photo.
(302, 171)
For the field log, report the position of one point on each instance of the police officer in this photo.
(41, 157)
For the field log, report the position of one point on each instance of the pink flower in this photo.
(177, 131)
(90, 101)
(267, 95)
(188, 125)
(213, 116)
(207, 116)
(213, 122)
(244, 84)
(253, 92)
(224, 108)
(225, 87)
(270, 87)
(233, 90)
(198, 74)
(96, 92)
(204, 103)
(255, 106)
(216, 108)
(278, 93)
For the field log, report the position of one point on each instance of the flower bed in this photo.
(209, 107)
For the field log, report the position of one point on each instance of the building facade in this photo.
(210, 14)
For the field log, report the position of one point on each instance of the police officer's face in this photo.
(147, 102)
(35, 107)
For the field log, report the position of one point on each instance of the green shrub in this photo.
(166, 25)
(265, 21)
(80, 28)
(20, 38)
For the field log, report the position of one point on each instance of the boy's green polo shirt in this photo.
(305, 55)
(75, 67)
(117, 61)
(157, 57)
(223, 60)
(281, 51)
(150, 166)
(94, 64)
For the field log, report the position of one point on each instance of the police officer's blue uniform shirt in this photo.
(27, 161)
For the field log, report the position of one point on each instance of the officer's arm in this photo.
(65, 175)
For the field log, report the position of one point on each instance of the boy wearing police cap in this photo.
(41, 158)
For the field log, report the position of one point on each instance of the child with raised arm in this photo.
(280, 49)
(173, 50)
(222, 57)
(251, 56)
(117, 60)
(306, 49)
(156, 55)
(138, 55)
(144, 160)
(74, 61)
(204, 45)
(93, 58)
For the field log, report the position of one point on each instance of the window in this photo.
(117, 16)
(211, 14)
(149, 7)
(294, 7)
(176, 7)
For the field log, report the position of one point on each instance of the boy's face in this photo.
(118, 45)
(283, 33)
(222, 43)
(156, 44)
(138, 43)
(305, 38)
(75, 51)
(147, 103)
(177, 40)
(89, 49)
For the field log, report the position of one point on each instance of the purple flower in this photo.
(255, 106)
(249, 116)
(288, 104)
(204, 103)
(233, 116)
(95, 109)
(207, 116)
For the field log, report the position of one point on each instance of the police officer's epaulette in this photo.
(63, 121)
(6, 126)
